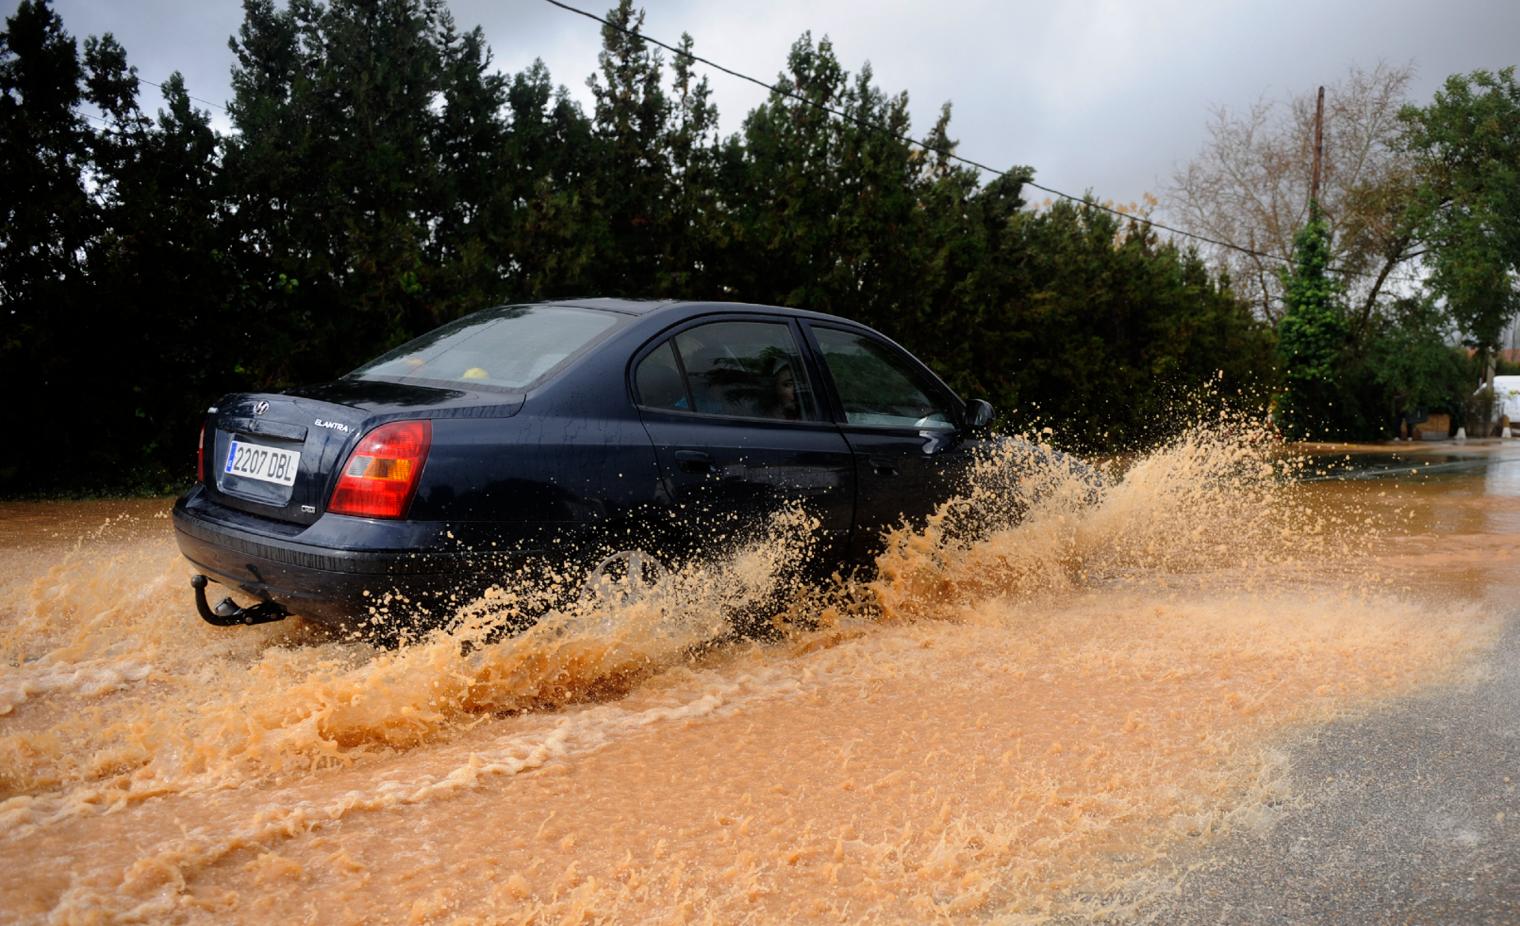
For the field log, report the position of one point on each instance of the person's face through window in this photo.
(786, 394)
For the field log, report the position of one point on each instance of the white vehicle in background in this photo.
(1506, 402)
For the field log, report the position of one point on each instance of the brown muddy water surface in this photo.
(1009, 724)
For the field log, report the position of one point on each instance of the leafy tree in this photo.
(1466, 145)
(1250, 185)
(91, 256)
(1412, 364)
(633, 170)
(472, 204)
(335, 177)
(1111, 328)
(1312, 340)
(695, 208)
(952, 246)
(383, 176)
(158, 275)
(789, 194)
(46, 216)
(45, 148)
(548, 167)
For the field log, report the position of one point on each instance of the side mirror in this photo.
(979, 414)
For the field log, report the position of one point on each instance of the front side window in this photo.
(878, 386)
(738, 369)
(508, 347)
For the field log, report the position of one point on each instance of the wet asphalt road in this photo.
(1410, 815)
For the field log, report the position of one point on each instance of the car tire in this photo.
(624, 577)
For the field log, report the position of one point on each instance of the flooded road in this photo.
(1032, 720)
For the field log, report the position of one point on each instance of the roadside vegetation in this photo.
(1392, 289)
(382, 176)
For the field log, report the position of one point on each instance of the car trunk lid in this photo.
(277, 454)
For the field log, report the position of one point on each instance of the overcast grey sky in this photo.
(1104, 95)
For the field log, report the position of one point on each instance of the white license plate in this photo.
(266, 464)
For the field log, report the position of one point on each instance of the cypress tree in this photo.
(1311, 339)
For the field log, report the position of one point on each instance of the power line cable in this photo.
(907, 139)
(910, 140)
(197, 99)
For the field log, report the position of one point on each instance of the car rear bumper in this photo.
(377, 580)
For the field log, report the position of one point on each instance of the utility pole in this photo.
(1319, 147)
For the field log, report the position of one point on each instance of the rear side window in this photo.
(878, 386)
(508, 347)
(736, 369)
(659, 381)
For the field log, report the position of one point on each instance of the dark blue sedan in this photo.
(588, 431)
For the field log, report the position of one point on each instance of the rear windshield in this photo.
(509, 347)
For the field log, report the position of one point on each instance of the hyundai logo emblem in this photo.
(260, 408)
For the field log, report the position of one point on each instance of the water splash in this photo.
(1055, 674)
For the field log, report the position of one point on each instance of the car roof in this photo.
(623, 306)
(646, 307)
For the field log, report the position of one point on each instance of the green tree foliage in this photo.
(1349, 377)
(788, 192)
(335, 172)
(383, 176)
(693, 234)
(1412, 365)
(632, 168)
(1467, 204)
(46, 217)
(45, 149)
(543, 172)
(157, 271)
(1110, 329)
(472, 205)
(1312, 341)
(110, 257)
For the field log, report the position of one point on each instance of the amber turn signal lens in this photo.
(382, 472)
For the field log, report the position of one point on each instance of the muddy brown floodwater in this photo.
(1012, 722)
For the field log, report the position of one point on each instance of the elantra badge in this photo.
(260, 408)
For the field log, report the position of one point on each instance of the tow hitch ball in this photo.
(228, 614)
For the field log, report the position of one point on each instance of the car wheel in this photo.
(623, 577)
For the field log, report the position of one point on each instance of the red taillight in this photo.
(200, 455)
(381, 474)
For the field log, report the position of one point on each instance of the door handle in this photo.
(882, 466)
(694, 461)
